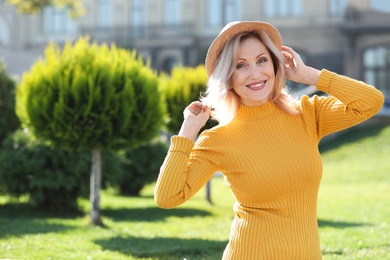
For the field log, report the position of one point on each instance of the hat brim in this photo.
(230, 31)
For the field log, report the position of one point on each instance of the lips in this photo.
(257, 85)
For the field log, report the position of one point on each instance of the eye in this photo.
(241, 65)
(262, 60)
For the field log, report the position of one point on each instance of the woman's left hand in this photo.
(296, 70)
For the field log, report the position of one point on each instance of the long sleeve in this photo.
(186, 169)
(351, 102)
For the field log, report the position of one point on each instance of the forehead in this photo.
(250, 46)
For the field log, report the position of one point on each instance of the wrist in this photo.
(311, 76)
(189, 129)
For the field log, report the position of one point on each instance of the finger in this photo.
(290, 62)
(196, 107)
(288, 49)
(290, 57)
(287, 57)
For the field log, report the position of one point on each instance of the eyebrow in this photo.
(261, 54)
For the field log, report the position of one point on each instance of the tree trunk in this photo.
(96, 176)
(208, 192)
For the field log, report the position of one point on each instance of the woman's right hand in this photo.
(196, 115)
(296, 70)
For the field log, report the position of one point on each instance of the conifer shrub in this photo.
(52, 178)
(180, 88)
(9, 122)
(91, 97)
(87, 96)
(138, 167)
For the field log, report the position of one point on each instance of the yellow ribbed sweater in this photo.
(271, 162)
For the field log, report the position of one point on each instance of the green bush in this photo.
(91, 97)
(52, 178)
(9, 122)
(139, 166)
(88, 96)
(184, 85)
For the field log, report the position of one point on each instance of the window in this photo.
(137, 13)
(336, 7)
(220, 12)
(4, 32)
(282, 8)
(214, 12)
(57, 21)
(137, 18)
(380, 5)
(104, 13)
(232, 10)
(376, 68)
(172, 12)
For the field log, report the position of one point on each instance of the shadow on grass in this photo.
(339, 224)
(350, 135)
(164, 247)
(18, 219)
(151, 213)
(334, 252)
(22, 227)
(380, 248)
(25, 210)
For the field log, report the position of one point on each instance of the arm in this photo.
(351, 101)
(187, 167)
(195, 117)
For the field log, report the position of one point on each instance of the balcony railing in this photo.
(131, 33)
(356, 21)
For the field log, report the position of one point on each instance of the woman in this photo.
(266, 144)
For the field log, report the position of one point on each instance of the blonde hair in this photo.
(224, 100)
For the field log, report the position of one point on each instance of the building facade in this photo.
(350, 37)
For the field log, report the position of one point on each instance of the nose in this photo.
(254, 72)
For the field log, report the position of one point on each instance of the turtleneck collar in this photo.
(245, 112)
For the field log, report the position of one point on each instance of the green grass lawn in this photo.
(354, 199)
(353, 215)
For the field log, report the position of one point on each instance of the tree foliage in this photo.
(54, 178)
(75, 8)
(88, 96)
(184, 85)
(9, 122)
(51, 177)
(136, 168)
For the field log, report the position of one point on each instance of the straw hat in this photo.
(232, 29)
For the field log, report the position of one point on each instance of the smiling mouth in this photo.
(257, 86)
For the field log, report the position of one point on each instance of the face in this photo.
(253, 77)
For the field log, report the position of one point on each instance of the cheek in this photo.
(271, 70)
(233, 81)
(237, 79)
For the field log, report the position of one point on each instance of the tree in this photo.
(75, 8)
(184, 85)
(9, 122)
(91, 97)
